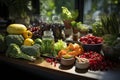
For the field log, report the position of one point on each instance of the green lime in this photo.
(38, 41)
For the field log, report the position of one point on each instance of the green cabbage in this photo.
(60, 44)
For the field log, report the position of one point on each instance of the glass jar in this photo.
(47, 43)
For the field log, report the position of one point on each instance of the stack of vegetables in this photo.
(20, 43)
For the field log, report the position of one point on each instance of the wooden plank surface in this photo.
(41, 66)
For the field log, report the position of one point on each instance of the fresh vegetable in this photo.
(27, 34)
(66, 12)
(97, 28)
(72, 49)
(38, 41)
(82, 27)
(110, 24)
(109, 39)
(68, 15)
(47, 48)
(79, 26)
(111, 47)
(15, 52)
(31, 50)
(28, 42)
(60, 44)
(16, 28)
(2, 43)
(12, 38)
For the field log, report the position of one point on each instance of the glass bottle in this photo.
(47, 43)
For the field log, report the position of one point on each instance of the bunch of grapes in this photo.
(38, 30)
(96, 61)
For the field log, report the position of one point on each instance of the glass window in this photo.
(93, 9)
(52, 8)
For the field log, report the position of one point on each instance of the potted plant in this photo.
(79, 27)
(68, 16)
(74, 26)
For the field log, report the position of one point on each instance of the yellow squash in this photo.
(16, 28)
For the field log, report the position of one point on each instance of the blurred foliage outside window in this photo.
(49, 8)
(52, 8)
(93, 9)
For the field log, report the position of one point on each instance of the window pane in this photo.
(93, 9)
(49, 8)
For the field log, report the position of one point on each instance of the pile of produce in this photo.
(59, 45)
(91, 39)
(20, 43)
(97, 61)
(90, 42)
(73, 49)
(15, 52)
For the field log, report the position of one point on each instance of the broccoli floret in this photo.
(31, 50)
(15, 52)
(12, 38)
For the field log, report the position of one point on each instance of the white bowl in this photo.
(82, 65)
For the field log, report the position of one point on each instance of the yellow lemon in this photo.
(28, 42)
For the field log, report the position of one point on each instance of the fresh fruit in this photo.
(38, 41)
(36, 32)
(67, 56)
(27, 34)
(52, 61)
(28, 42)
(96, 61)
(72, 49)
(90, 39)
(16, 28)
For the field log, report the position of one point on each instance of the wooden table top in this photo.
(41, 67)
